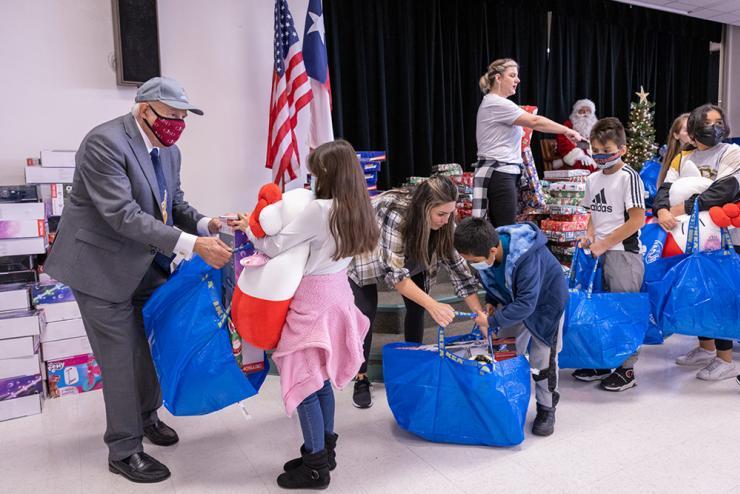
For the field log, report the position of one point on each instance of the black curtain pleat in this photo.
(404, 73)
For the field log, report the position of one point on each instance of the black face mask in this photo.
(711, 135)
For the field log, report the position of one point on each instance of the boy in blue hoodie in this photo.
(526, 294)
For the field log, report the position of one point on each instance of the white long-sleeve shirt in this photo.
(311, 226)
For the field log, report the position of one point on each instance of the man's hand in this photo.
(678, 210)
(214, 226)
(213, 251)
(666, 220)
(482, 321)
(490, 309)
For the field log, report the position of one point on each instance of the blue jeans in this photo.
(316, 414)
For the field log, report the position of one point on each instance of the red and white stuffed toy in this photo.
(266, 286)
(710, 222)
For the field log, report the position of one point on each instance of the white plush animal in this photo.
(266, 285)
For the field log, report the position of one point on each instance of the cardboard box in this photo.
(18, 323)
(60, 311)
(21, 211)
(62, 330)
(21, 366)
(28, 276)
(16, 387)
(51, 293)
(22, 228)
(46, 175)
(22, 246)
(19, 347)
(17, 263)
(54, 196)
(74, 375)
(14, 296)
(21, 407)
(63, 349)
(64, 158)
(19, 193)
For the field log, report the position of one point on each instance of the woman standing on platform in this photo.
(416, 239)
(499, 135)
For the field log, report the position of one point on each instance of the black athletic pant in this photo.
(503, 198)
(722, 345)
(366, 299)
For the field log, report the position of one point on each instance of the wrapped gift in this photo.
(562, 209)
(567, 187)
(556, 236)
(554, 175)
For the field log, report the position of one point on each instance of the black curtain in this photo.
(404, 73)
(604, 51)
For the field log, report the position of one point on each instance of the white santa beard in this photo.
(583, 125)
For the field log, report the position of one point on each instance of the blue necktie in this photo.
(165, 207)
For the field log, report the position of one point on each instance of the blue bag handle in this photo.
(590, 288)
(574, 265)
(692, 236)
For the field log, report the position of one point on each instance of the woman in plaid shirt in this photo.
(416, 238)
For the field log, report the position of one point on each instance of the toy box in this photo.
(16, 387)
(54, 293)
(73, 375)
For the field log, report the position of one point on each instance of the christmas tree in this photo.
(640, 132)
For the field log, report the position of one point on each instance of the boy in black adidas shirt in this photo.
(614, 194)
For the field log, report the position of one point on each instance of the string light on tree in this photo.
(641, 132)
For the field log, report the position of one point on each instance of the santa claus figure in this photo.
(582, 120)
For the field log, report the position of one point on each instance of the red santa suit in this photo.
(572, 155)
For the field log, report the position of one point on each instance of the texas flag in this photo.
(317, 68)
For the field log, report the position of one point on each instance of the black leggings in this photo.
(366, 299)
(722, 345)
(503, 198)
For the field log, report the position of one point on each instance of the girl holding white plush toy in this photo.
(321, 341)
(711, 175)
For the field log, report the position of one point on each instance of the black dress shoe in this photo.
(141, 468)
(161, 434)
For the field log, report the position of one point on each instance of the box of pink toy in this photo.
(73, 375)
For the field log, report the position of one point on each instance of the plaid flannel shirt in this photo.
(388, 261)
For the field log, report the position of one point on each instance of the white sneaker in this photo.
(717, 370)
(697, 356)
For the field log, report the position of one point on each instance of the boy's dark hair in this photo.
(475, 237)
(695, 123)
(609, 129)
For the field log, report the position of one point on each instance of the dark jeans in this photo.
(316, 414)
(366, 299)
(503, 198)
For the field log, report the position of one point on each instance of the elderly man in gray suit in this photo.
(125, 221)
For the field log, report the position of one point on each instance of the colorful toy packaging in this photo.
(73, 375)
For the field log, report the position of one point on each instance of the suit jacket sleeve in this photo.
(184, 216)
(103, 173)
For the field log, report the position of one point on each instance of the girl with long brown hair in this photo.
(321, 342)
(676, 143)
(416, 239)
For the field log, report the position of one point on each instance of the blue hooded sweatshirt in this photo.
(534, 281)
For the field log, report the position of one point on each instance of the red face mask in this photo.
(167, 130)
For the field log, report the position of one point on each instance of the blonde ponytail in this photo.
(488, 80)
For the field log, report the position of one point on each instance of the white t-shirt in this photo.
(311, 226)
(704, 163)
(498, 138)
(610, 197)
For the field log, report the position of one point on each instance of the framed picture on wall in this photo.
(136, 33)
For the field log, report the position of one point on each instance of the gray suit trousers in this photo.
(130, 386)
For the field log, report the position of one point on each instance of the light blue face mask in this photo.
(313, 184)
(481, 266)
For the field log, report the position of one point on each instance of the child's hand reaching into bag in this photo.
(242, 223)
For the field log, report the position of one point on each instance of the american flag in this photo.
(291, 92)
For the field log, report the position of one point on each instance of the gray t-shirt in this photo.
(498, 138)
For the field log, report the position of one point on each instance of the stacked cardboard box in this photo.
(371, 163)
(21, 389)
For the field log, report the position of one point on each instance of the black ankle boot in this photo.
(330, 443)
(544, 422)
(313, 473)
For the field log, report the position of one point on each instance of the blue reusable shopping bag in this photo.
(649, 175)
(602, 329)
(699, 292)
(444, 398)
(185, 324)
(652, 237)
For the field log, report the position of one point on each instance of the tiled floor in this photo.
(672, 433)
